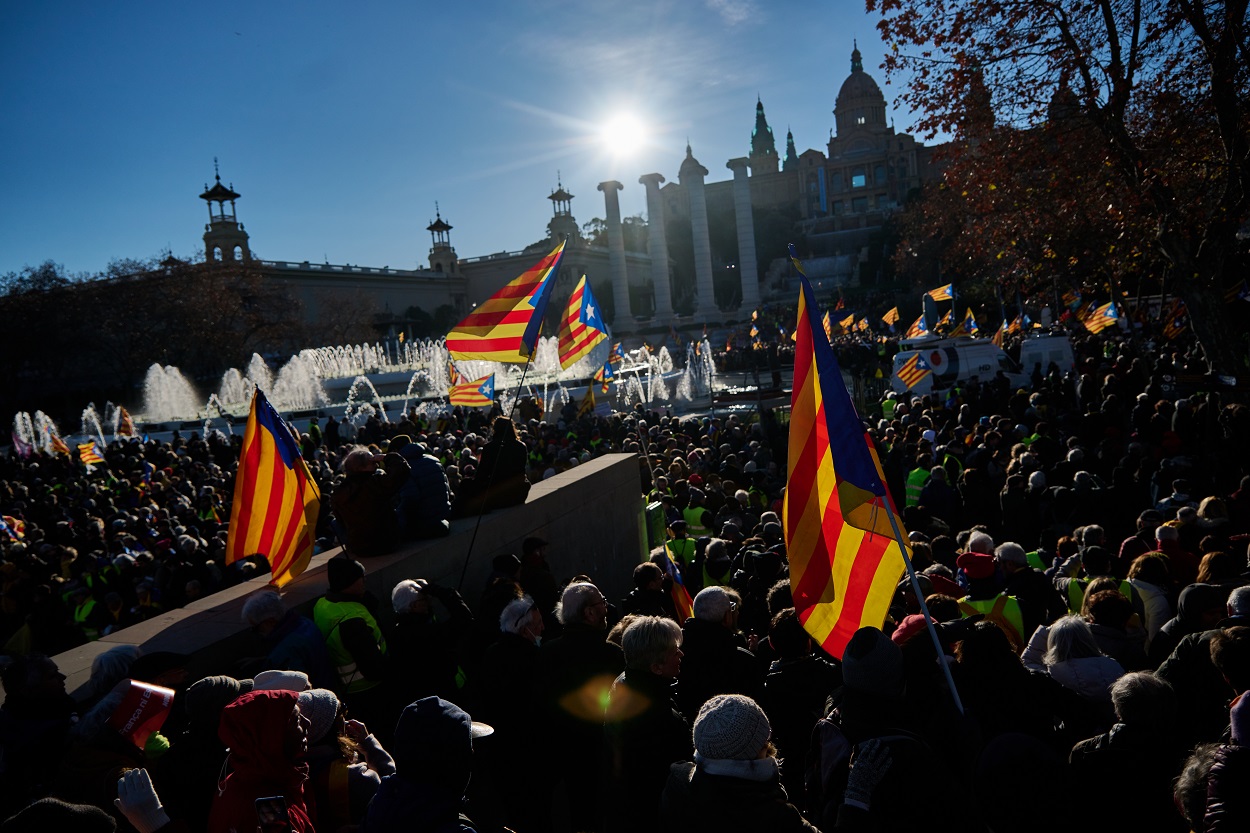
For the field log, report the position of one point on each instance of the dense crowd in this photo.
(1081, 548)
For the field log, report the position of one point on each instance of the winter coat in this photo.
(748, 800)
(640, 748)
(1133, 761)
(255, 728)
(1227, 806)
(795, 691)
(363, 503)
(424, 652)
(424, 498)
(1158, 607)
(714, 663)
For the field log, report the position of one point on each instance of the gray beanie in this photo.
(731, 727)
(873, 664)
(321, 707)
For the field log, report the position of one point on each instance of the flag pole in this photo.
(924, 608)
(529, 359)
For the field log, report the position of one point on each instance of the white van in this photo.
(1045, 348)
(955, 360)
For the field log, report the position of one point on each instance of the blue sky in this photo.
(341, 124)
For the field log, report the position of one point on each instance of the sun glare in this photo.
(624, 135)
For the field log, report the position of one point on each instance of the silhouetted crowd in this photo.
(1080, 547)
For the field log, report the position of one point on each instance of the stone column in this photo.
(657, 244)
(691, 176)
(622, 318)
(748, 267)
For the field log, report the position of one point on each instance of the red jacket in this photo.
(262, 763)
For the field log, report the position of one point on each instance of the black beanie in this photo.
(342, 572)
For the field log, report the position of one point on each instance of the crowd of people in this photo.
(1078, 660)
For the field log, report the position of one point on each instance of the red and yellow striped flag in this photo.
(844, 561)
(582, 327)
(125, 424)
(88, 454)
(891, 317)
(276, 500)
(504, 328)
(918, 328)
(476, 394)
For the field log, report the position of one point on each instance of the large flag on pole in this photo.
(943, 293)
(918, 328)
(844, 561)
(1103, 317)
(276, 500)
(582, 327)
(604, 376)
(476, 394)
(504, 328)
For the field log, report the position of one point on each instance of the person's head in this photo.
(583, 604)
(1093, 536)
(648, 576)
(986, 648)
(411, 596)
(1011, 556)
(1149, 519)
(346, 576)
(1152, 568)
(1096, 561)
(786, 635)
(1107, 607)
(872, 665)
(322, 707)
(1190, 789)
(503, 428)
(361, 461)
(718, 605)
(1142, 699)
(731, 727)
(981, 542)
(1070, 638)
(522, 618)
(1239, 602)
(653, 643)
(1230, 652)
(54, 814)
(1218, 566)
(264, 611)
(33, 678)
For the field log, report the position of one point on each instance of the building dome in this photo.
(860, 101)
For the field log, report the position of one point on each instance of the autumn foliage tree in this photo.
(1097, 143)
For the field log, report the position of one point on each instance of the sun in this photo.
(624, 135)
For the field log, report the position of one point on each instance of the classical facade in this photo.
(381, 292)
(716, 249)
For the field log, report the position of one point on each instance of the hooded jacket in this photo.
(433, 752)
(262, 763)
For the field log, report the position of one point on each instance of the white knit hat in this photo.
(321, 707)
(731, 727)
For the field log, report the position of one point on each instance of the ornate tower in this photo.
(860, 105)
(763, 158)
(562, 225)
(224, 237)
(792, 158)
(442, 255)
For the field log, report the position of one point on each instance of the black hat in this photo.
(343, 572)
(530, 545)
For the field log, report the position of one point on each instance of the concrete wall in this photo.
(591, 515)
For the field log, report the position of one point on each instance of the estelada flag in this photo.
(677, 588)
(617, 355)
(88, 454)
(844, 561)
(476, 394)
(848, 322)
(913, 370)
(943, 293)
(125, 425)
(1176, 321)
(918, 328)
(891, 317)
(142, 711)
(1103, 317)
(505, 327)
(604, 377)
(276, 500)
(454, 376)
(582, 327)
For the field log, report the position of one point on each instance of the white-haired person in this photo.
(1068, 653)
(734, 781)
(501, 694)
(424, 642)
(717, 660)
(644, 731)
(294, 641)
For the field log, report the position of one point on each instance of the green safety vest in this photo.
(329, 616)
(694, 520)
(1035, 560)
(1076, 593)
(916, 479)
(681, 550)
(81, 614)
(1002, 610)
(887, 408)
